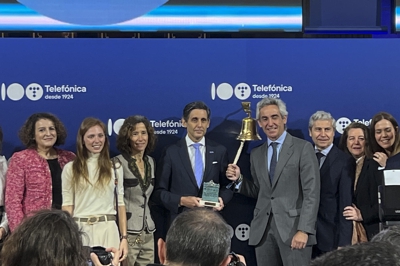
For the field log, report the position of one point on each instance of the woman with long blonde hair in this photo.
(88, 189)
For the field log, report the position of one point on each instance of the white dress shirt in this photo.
(324, 152)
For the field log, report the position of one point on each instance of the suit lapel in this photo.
(209, 154)
(329, 160)
(261, 165)
(284, 155)
(184, 156)
(360, 180)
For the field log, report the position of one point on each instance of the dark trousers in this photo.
(316, 252)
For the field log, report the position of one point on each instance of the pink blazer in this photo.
(29, 184)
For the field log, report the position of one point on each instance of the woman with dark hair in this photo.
(365, 210)
(90, 187)
(47, 238)
(135, 141)
(385, 137)
(34, 175)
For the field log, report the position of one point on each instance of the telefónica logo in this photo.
(242, 232)
(114, 126)
(342, 123)
(16, 92)
(225, 91)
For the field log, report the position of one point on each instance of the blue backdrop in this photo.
(114, 78)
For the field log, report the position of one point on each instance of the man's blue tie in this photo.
(198, 164)
(274, 160)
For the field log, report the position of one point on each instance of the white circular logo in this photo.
(15, 92)
(34, 91)
(224, 91)
(242, 91)
(3, 91)
(118, 125)
(341, 124)
(242, 232)
(231, 232)
(114, 127)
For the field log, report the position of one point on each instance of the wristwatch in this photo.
(240, 179)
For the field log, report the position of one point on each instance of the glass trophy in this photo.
(210, 194)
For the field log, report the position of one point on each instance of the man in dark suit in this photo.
(336, 171)
(189, 163)
(286, 185)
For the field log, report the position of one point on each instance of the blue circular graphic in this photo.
(93, 12)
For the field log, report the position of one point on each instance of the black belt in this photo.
(1, 208)
(96, 219)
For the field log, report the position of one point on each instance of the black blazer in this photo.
(175, 177)
(393, 163)
(333, 230)
(366, 196)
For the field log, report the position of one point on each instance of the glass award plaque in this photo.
(210, 194)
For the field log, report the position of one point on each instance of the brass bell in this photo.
(249, 126)
(248, 131)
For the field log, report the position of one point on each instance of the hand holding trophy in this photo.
(210, 195)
